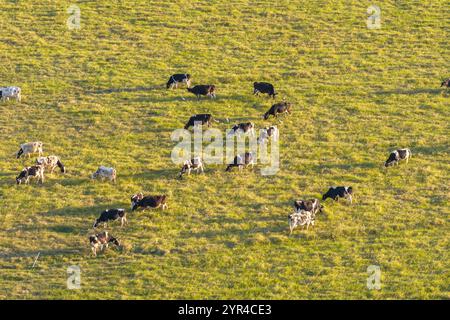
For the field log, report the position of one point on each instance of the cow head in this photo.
(22, 176)
(393, 158)
(135, 199)
(114, 241)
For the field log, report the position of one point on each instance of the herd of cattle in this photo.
(304, 210)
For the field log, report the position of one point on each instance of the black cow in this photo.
(312, 205)
(397, 155)
(281, 107)
(264, 87)
(446, 83)
(139, 200)
(202, 118)
(112, 214)
(100, 240)
(203, 90)
(179, 78)
(338, 192)
(240, 161)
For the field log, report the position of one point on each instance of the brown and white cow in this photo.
(312, 205)
(145, 202)
(102, 240)
(267, 133)
(242, 161)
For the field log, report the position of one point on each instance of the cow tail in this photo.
(61, 166)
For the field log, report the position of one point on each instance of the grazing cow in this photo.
(312, 205)
(51, 162)
(446, 83)
(268, 132)
(202, 118)
(264, 87)
(248, 127)
(139, 200)
(179, 78)
(195, 164)
(281, 107)
(10, 92)
(241, 162)
(30, 148)
(101, 240)
(203, 90)
(300, 218)
(339, 192)
(105, 172)
(36, 171)
(111, 214)
(397, 155)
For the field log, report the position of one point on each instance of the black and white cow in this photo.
(199, 118)
(102, 240)
(145, 202)
(50, 163)
(30, 148)
(312, 205)
(10, 92)
(280, 107)
(446, 83)
(246, 128)
(339, 192)
(35, 172)
(111, 214)
(397, 155)
(242, 161)
(175, 79)
(267, 133)
(300, 218)
(195, 164)
(203, 90)
(264, 87)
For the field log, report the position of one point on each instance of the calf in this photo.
(201, 118)
(312, 205)
(397, 155)
(264, 87)
(247, 127)
(281, 107)
(179, 78)
(10, 92)
(446, 83)
(268, 132)
(101, 240)
(30, 148)
(203, 90)
(105, 172)
(195, 164)
(51, 162)
(139, 200)
(300, 218)
(338, 192)
(111, 214)
(36, 172)
(241, 162)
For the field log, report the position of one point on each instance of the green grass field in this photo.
(96, 96)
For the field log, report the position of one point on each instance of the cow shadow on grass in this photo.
(430, 150)
(349, 166)
(89, 211)
(118, 90)
(410, 92)
(33, 254)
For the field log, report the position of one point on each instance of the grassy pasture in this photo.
(96, 96)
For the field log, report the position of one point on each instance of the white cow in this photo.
(10, 92)
(300, 218)
(29, 148)
(105, 172)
